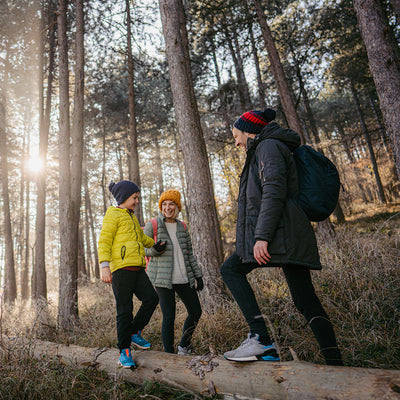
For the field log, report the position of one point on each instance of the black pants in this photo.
(298, 278)
(125, 284)
(189, 297)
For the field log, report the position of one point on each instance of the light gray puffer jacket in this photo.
(160, 266)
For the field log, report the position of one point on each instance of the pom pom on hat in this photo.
(254, 121)
(172, 195)
(122, 190)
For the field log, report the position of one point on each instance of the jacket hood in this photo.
(275, 131)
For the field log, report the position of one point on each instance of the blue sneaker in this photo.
(252, 350)
(138, 341)
(125, 359)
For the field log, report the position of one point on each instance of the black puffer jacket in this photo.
(266, 210)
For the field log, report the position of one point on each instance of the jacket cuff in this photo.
(105, 264)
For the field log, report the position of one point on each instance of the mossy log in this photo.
(210, 374)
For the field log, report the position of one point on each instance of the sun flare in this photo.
(35, 164)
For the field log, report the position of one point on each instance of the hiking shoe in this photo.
(138, 341)
(252, 350)
(125, 359)
(184, 351)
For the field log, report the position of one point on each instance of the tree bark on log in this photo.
(257, 380)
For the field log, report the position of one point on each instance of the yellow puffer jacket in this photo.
(122, 240)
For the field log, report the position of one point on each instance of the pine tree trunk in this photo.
(367, 138)
(39, 281)
(260, 83)
(10, 289)
(21, 244)
(203, 218)
(133, 136)
(104, 184)
(281, 82)
(88, 206)
(243, 90)
(384, 66)
(25, 264)
(222, 105)
(159, 167)
(67, 303)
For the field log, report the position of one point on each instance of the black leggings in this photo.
(191, 301)
(298, 278)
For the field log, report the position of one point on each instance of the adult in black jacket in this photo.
(273, 231)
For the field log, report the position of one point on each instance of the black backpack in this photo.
(319, 183)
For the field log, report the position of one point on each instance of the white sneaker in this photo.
(252, 350)
(184, 351)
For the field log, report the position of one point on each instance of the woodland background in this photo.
(103, 90)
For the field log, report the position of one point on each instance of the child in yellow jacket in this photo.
(122, 259)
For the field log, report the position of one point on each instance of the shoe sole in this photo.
(141, 347)
(252, 358)
(126, 366)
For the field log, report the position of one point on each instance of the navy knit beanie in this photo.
(122, 190)
(254, 121)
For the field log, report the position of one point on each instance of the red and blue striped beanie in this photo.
(254, 121)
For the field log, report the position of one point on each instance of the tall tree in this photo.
(48, 17)
(10, 291)
(200, 194)
(70, 165)
(133, 136)
(384, 65)
(284, 90)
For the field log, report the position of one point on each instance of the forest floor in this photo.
(359, 287)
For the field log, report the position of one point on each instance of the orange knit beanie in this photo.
(172, 195)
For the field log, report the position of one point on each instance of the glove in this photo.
(160, 247)
(199, 284)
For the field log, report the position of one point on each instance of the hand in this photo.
(106, 275)
(199, 284)
(260, 251)
(160, 247)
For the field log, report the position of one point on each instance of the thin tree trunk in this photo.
(159, 167)
(367, 138)
(67, 303)
(203, 216)
(119, 160)
(89, 258)
(383, 62)
(133, 136)
(103, 169)
(10, 290)
(260, 83)
(281, 82)
(93, 231)
(81, 255)
(243, 90)
(25, 265)
(21, 245)
(224, 112)
(39, 281)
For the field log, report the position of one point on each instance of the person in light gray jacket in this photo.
(174, 271)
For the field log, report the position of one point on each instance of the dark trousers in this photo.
(234, 274)
(125, 284)
(189, 297)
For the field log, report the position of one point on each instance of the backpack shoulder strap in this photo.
(154, 225)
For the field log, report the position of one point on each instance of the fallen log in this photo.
(211, 374)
